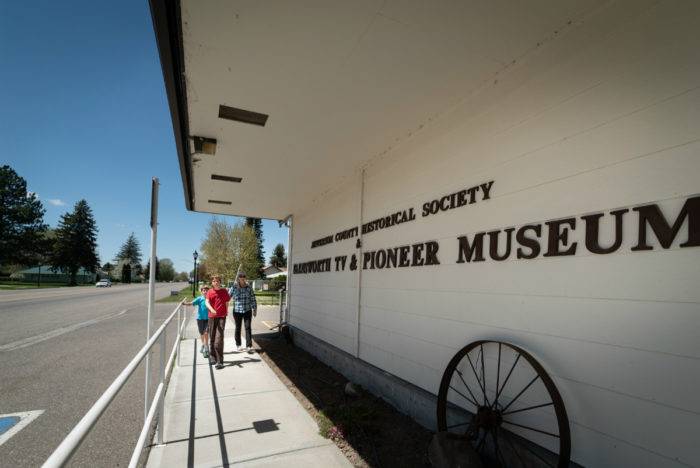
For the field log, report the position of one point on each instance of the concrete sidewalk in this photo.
(240, 415)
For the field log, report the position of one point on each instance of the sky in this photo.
(84, 116)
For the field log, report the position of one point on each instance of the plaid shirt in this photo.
(243, 299)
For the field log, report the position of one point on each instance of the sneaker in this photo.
(202, 349)
(205, 353)
(250, 350)
(220, 365)
(240, 348)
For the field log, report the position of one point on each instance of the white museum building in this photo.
(494, 206)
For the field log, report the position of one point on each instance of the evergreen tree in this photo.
(21, 220)
(126, 273)
(147, 270)
(76, 242)
(130, 251)
(279, 258)
(256, 225)
(108, 268)
(129, 259)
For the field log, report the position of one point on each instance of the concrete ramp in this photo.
(241, 415)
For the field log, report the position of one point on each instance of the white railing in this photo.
(70, 444)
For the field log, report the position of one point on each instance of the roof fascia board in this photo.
(168, 31)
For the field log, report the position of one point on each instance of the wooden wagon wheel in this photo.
(500, 399)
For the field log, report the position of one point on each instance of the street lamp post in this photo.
(194, 279)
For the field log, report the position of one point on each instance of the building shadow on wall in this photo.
(368, 430)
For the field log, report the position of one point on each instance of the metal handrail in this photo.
(70, 444)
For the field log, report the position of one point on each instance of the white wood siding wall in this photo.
(606, 117)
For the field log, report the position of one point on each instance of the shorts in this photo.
(202, 325)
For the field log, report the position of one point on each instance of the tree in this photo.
(21, 220)
(76, 242)
(43, 249)
(202, 272)
(147, 270)
(226, 247)
(167, 269)
(256, 225)
(137, 271)
(279, 258)
(130, 251)
(126, 273)
(182, 276)
(108, 267)
(246, 247)
(129, 258)
(278, 282)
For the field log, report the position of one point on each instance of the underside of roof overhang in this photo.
(293, 97)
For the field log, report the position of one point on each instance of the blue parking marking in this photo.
(7, 422)
(12, 423)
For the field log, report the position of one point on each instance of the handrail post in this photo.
(281, 317)
(180, 317)
(161, 425)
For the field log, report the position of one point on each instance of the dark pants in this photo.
(216, 339)
(246, 317)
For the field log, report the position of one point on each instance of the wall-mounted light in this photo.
(204, 145)
(226, 178)
(242, 115)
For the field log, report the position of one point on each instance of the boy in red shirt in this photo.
(217, 303)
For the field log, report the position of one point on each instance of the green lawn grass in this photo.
(266, 298)
(184, 293)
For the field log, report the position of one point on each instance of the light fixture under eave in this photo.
(220, 202)
(204, 145)
(226, 178)
(242, 115)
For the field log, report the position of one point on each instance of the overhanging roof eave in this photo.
(168, 31)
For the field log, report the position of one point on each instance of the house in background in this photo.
(48, 275)
(270, 272)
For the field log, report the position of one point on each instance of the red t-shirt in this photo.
(218, 299)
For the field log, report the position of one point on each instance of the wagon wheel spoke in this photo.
(481, 443)
(514, 450)
(521, 392)
(498, 375)
(551, 403)
(457, 425)
(532, 429)
(467, 387)
(505, 382)
(483, 376)
(464, 396)
(497, 448)
(481, 386)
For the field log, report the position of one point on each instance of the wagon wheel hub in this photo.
(487, 418)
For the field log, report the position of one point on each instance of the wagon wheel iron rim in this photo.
(495, 404)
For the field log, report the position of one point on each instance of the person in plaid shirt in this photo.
(245, 308)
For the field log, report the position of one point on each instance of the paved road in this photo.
(59, 350)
